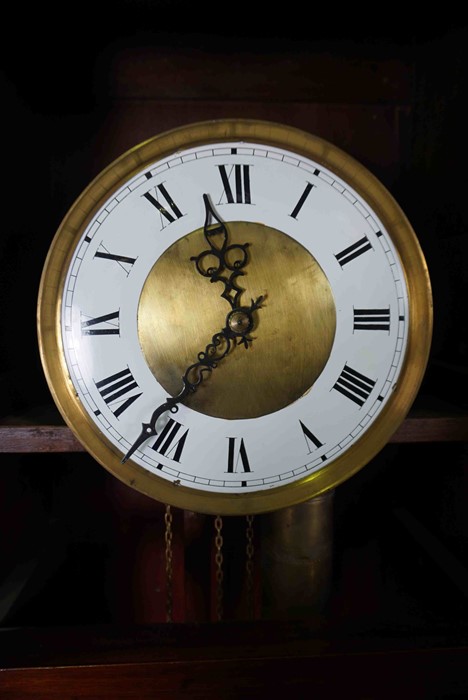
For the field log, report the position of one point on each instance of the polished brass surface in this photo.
(137, 160)
(180, 311)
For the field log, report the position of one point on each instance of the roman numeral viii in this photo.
(116, 391)
(236, 184)
(354, 385)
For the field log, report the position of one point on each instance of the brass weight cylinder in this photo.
(297, 559)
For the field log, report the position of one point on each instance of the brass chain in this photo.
(249, 564)
(168, 540)
(218, 523)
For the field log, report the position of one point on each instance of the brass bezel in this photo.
(134, 161)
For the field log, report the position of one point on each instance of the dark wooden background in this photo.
(82, 558)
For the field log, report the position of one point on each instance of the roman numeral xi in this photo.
(162, 200)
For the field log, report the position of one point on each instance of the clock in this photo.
(234, 317)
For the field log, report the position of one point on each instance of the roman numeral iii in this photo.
(371, 319)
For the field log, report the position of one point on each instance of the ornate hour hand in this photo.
(222, 262)
(239, 323)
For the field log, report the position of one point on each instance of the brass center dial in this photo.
(179, 312)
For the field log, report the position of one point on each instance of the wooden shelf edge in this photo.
(433, 428)
(23, 439)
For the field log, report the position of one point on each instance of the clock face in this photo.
(331, 364)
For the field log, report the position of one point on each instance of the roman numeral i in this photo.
(301, 201)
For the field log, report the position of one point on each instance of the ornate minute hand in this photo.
(239, 323)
